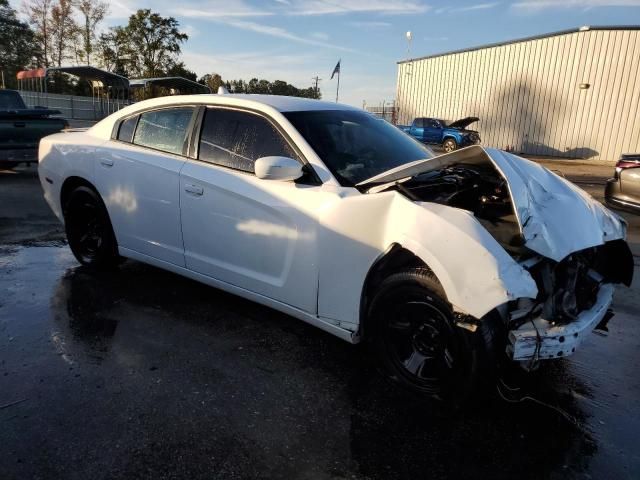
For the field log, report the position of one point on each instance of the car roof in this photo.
(277, 102)
(270, 104)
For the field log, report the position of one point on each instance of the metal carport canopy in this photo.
(93, 74)
(177, 83)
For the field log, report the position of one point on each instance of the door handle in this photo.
(193, 189)
(107, 162)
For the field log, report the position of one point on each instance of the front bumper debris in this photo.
(547, 340)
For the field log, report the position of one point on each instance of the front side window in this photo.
(164, 130)
(237, 139)
(354, 145)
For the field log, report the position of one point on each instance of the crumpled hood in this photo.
(556, 218)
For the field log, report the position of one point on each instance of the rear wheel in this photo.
(89, 230)
(417, 342)
(449, 145)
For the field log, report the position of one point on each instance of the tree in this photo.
(212, 80)
(93, 12)
(18, 46)
(277, 87)
(114, 51)
(154, 43)
(39, 14)
(63, 29)
(180, 70)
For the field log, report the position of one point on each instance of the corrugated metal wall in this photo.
(527, 94)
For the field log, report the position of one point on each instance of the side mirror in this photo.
(278, 168)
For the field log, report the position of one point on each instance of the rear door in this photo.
(249, 232)
(138, 176)
(417, 129)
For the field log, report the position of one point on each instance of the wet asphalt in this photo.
(140, 373)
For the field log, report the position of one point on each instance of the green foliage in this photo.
(180, 70)
(211, 80)
(153, 44)
(18, 47)
(277, 87)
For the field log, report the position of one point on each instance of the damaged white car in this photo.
(446, 265)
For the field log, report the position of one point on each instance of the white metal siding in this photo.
(527, 93)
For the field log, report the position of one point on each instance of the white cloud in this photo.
(538, 5)
(271, 31)
(330, 7)
(320, 36)
(369, 25)
(467, 8)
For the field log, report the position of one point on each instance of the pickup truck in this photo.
(437, 132)
(21, 129)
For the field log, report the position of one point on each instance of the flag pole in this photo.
(338, 87)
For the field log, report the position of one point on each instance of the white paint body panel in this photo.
(556, 217)
(303, 249)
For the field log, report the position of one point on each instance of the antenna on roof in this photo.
(222, 90)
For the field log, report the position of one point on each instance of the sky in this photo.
(295, 40)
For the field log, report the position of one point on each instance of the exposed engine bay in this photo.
(477, 188)
(571, 298)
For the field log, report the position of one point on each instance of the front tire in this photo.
(89, 231)
(449, 145)
(417, 343)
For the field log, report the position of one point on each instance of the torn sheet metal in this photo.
(556, 218)
(540, 339)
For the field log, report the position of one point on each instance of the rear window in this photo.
(164, 130)
(127, 127)
(10, 100)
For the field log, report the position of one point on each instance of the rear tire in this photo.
(89, 231)
(449, 145)
(418, 344)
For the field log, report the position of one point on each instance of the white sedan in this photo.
(446, 265)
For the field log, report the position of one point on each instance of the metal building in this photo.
(574, 93)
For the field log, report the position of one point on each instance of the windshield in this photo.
(354, 145)
(10, 100)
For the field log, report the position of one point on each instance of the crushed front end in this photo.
(574, 297)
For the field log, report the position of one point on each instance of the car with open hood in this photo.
(450, 136)
(445, 265)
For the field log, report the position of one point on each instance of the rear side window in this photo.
(237, 139)
(164, 130)
(127, 127)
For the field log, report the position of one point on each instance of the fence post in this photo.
(72, 112)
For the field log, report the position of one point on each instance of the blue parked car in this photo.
(437, 132)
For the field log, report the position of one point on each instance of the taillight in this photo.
(627, 161)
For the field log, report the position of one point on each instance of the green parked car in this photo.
(21, 129)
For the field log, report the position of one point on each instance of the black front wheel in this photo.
(417, 342)
(89, 230)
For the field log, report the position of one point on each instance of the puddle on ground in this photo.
(143, 372)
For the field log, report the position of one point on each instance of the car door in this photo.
(432, 131)
(249, 232)
(138, 175)
(417, 129)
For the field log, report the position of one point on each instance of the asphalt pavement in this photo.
(140, 373)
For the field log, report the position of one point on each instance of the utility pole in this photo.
(316, 79)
